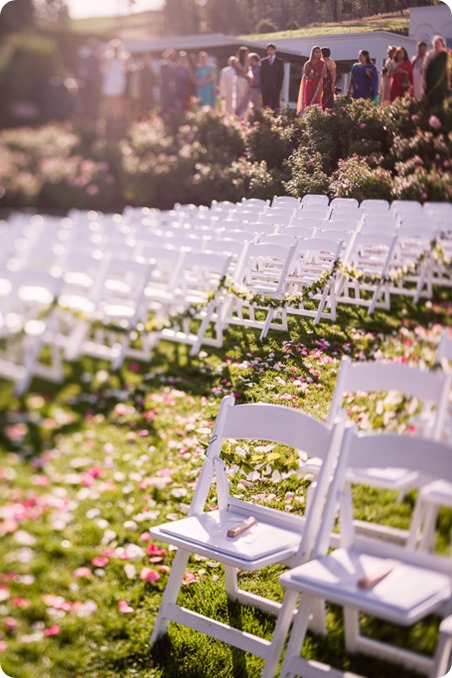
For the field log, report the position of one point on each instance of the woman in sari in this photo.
(363, 82)
(311, 86)
(241, 64)
(437, 72)
(401, 75)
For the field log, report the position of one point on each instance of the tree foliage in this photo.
(241, 16)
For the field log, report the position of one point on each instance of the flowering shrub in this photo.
(357, 150)
(354, 178)
(307, 175)
(221, 135)
(80, 182)
(270, 139)
(416, 182)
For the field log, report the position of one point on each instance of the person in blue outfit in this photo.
(205, 80)
(363, 83)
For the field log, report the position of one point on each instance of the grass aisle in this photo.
(88, 467)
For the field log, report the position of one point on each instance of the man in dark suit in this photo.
(272, 76)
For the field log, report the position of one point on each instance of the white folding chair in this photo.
(314, 260)
(27, 319)
(438, 492)
(413, 242)
(370, 576)
(261, 277)
(269, 535)
(196, 302)
(369, 259)
(314, 199)
(428, 393)
(112, 324)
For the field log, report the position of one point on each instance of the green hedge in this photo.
(358, 150)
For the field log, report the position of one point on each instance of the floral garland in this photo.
(153, 324)
(397, 274)
(268, 301)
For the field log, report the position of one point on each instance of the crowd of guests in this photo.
(126, 87)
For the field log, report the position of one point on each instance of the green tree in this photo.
(181, 17)
(224, 17)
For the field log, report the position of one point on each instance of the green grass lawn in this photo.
(87, 467)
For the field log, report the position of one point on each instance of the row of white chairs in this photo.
(365, 568)
(88, 286)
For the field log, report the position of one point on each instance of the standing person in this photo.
(363, 82)
(146, 84)
(256, 94)
(272, 77)
(329, 79)
(241, 63)
(227, 88)
(401, 75)
(168, 84)
(437, 72)
(311, 86)
(385, 83)
(91, 77)
(418, 62)
(184, 81)
(114, 84)
(205, 79)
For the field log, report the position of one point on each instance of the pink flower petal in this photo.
(124, 607)
(99, 561)
(84, 572)
(147, 574)
(52, 631)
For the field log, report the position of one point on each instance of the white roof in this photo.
(345, 46)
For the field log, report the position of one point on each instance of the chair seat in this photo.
(437, 492)
(407, 594)
(76, 302)
(207, 532)
(387, 478)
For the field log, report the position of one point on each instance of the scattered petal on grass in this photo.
(83, 572)
(189, 578)
(99, 561)
(125, 608)
(52, 631)
(130, 571)
(147, 574)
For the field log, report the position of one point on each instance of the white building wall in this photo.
(425, 22)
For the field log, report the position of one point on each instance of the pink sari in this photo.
(311, 87)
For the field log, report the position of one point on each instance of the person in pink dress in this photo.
(311, 86)
(401, 75)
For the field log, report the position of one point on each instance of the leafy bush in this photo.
(416, 182)
(32, 61)
(221, 135)
(270, 139)
(266, 26)
(307, 175)
(356, 178)
(357, 150)
(79, 182)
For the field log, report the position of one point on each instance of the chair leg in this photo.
(351, 629)
(442, 659)
(297, 636)
(280, 633)
(171, 593)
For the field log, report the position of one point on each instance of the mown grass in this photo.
(88, 466)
